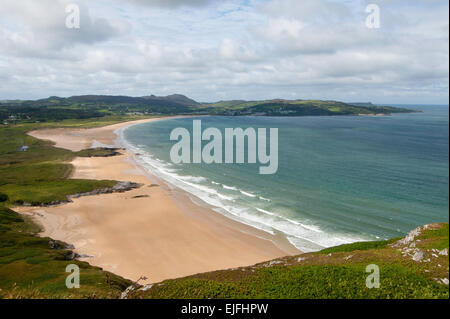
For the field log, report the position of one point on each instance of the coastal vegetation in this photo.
(98, 152)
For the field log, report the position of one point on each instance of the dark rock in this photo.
(125, 186)
(120, 187)
(55, 203)
(53, 244)
(71, 255)
(141, 196)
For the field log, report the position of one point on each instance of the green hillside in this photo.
(100, 106)
(296, 108)
(338, 272)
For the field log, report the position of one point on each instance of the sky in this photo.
(213, 50)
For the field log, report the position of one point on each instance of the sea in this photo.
(340, 179)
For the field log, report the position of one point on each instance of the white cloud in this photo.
(38, 28)
(226, 49)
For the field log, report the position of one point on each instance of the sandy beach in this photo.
(155, 231)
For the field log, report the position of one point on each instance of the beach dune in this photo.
(155, 231)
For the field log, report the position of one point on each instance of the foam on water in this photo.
(247, 194)
(229, 187)
(305, 237)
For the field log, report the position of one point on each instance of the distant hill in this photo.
(174, 98)
(94, 106)
(91, 106)
(281, 107)
(365, 104)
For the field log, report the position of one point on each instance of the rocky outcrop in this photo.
(418, 256)
(66, 250)
(409, 248)
(410, 238)
(135, 286)
(120, 187)
(56, 244)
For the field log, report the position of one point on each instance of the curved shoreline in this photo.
(188, 201)
(158, 232)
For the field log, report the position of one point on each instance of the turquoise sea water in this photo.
(340, 179)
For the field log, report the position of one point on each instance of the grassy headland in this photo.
(296, 108)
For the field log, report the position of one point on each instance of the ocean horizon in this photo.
(341, 179)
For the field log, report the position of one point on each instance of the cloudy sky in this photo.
(227, 49)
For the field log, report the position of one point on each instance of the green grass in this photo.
(306, 282)
(365, 245)
(435, 238)
(45, 192)
(98, 152)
